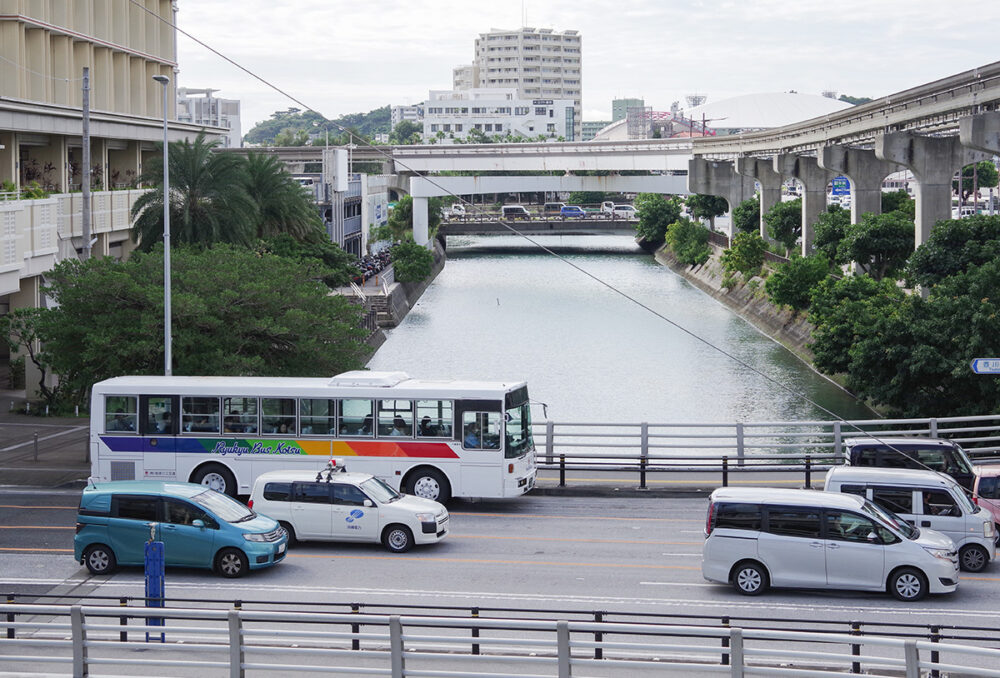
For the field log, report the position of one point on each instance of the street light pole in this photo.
(167, 350)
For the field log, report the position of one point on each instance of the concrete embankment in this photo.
(748, 300)
(402, 296)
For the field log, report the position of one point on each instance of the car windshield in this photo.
(518, 431)
(223, 507)
(379, 491)
(889, 518)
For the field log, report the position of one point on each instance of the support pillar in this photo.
(933, 161)
(420, 222)
(981, 132)
(711, 177)
(770, 185)
(866, 173)
(814, 180)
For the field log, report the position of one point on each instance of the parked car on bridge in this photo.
(456, 211)
(513, 212)
(572, 212)
(335, 505)
(934, 454)
(624, 212)
(552, 209)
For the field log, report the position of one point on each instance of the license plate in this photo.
(281, 549)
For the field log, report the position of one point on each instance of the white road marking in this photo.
(43, 438)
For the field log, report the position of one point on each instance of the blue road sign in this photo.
(986, 365)
(841, 186)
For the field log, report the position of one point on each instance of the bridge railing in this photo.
(80, 640)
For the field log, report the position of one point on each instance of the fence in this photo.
(776, 447)
(80, 638)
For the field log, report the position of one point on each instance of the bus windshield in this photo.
(518, 438)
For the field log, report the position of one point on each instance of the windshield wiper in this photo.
(249, 516)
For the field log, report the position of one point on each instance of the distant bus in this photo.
(435, 439)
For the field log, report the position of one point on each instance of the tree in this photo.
(978, 175)
(411, 262)
(406, 132)
(587, 197)
(689, 242)
(879, 243)
(746, 216)
(235, 312)
(23, 329)
(282, 205)
(899, 201)
(784, 222)
(746, 255)
(324, 260)
(208, 198)
(707, 207)
(400, 224)
(792, 283)
(843, 312)
(656, 213)
(855, 101)
(953, 247)
(829, 231)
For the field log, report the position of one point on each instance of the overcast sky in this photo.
(342, 57)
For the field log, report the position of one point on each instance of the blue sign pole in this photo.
(155, 570)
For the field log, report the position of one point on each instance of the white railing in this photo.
(77, 640)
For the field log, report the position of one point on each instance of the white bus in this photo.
(434, 439)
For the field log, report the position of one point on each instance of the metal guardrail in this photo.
(80, 638)
(782, 447)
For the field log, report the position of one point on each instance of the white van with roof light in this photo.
(759, 537)
(926, 499)
(334, 505)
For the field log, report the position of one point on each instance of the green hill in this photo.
(298, 126)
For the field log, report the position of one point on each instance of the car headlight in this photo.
(943, 554)
(425, 517)
(254, 536)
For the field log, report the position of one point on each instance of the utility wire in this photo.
(515, 231)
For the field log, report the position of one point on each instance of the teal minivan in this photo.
(199, 527)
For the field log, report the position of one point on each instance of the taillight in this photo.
(708, 520)
(975, 499)
(250, 504)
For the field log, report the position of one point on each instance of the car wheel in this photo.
(429, 484)
(750, 579)
(973, 558)
(100, 559)
(908, 584)
(231, 563)
(292, 540)
(216, 477)
(397, 538)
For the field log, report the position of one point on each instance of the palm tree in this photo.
(282, 204)
(208, 198)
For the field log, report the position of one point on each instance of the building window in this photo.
(540, 110)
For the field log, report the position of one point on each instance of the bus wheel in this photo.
(429, 484)
(216, 477)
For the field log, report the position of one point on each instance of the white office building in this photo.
(539, 63)
(199, 107)
(398, 114)
(451, 115)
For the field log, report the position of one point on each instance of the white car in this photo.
(334, 505)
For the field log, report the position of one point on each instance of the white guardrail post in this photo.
(912, 655)
(562, 649)
(236, 654)
(396, 647)
(739, 443)
(933, 425)
(736, 652)
(79, 634)
(549, 441)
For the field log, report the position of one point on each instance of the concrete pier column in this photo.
(933, 161)
(719, 177)
(981, 132)
(420, 222)
(770, 185)
(814, 180)
(866, 173)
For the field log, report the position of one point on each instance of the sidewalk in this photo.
(41, 451)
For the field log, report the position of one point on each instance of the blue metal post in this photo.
(154, 580)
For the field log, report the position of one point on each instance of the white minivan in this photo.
(757, 537)
(334, 505)
(926, 499)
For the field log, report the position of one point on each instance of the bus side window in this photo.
(159, 415)
(356, 417)
(318, 416)
(239, 415)
(200, 415)
(481, 430)
(434, 418)
(120, 413)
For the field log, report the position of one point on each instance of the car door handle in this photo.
(169, 528)
(816, 545)
(833, 546)
(925, 523)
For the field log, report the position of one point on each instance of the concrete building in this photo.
(590, 128)
(199, 107)
(453, 115)
(619, 107)
(398, 114)
(44, 47)
(539, 63)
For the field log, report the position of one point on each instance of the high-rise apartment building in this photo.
(541, 64)
(619, 107)
(200, 107)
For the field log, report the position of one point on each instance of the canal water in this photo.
(504, 310)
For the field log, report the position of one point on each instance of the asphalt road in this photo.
(619, 555)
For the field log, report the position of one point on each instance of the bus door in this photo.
(158, 422)
(479, 432)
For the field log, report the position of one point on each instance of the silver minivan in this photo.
(756, 537)
(926, 499)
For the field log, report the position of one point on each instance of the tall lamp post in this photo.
(167, 353)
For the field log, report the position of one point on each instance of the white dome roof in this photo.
(761, 111)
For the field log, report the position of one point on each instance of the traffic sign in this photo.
(986, 365)
(841, 186)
